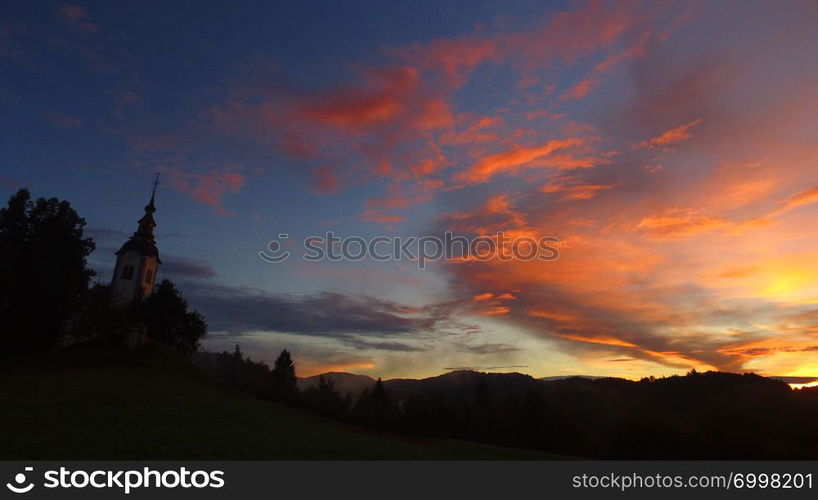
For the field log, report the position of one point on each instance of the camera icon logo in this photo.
(20, 479)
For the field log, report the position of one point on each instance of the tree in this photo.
(43, 270)
(324, 399)
(167, 319)
(282, 379)
(380, 399)
(374, 408)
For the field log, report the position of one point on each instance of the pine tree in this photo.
(283, 379)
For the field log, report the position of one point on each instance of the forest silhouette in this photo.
(709, 415)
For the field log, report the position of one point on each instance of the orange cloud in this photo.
(480, 130)
(495, 215)
(573, 189)
(670, 137)
(452, 58)
(511, 160)
(380, 100)
(800, 199)
(597, 340)
(676, 224)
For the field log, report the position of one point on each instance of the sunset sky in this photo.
(672, 147)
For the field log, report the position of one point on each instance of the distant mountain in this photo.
(345, 383)
(565, 377)
(461, 383)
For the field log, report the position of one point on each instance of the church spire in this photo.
(146, 223)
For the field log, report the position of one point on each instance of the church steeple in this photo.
(137, 262)
(146, 223)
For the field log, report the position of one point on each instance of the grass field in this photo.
(93, 402)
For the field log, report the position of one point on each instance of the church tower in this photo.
(137, 262)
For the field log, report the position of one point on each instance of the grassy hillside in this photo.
(92, 402)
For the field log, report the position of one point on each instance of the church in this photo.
(137, 262)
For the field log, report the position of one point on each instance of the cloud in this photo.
(579, 89)
(490, 348)
(325, 180)
(572, 188)
(670, 137)
(518, 157)
(453, 59)
(209, 188)
(188, 267)
(107, 234)
(326, 314)
(397, 115)
(381, 98)
(676, 224)
(799, 199)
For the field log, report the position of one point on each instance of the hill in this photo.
(345, 383)
(463, 384)
(459, 383)
(94, 402)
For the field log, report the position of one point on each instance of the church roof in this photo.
(142, 246)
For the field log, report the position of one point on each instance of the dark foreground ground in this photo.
(93, 402)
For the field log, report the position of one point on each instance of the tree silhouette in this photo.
(43, 270)
(166, 316)
(282, 378)
(324, 399)
(373, 408)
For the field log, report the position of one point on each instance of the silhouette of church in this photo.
(137, 262)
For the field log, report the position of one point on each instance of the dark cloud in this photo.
(488, 348)
(107, 234)
(187, 267)
(384, 346)
(328, 314)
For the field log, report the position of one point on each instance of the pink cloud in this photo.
(209, 188)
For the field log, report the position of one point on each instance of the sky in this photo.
(670, 147)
